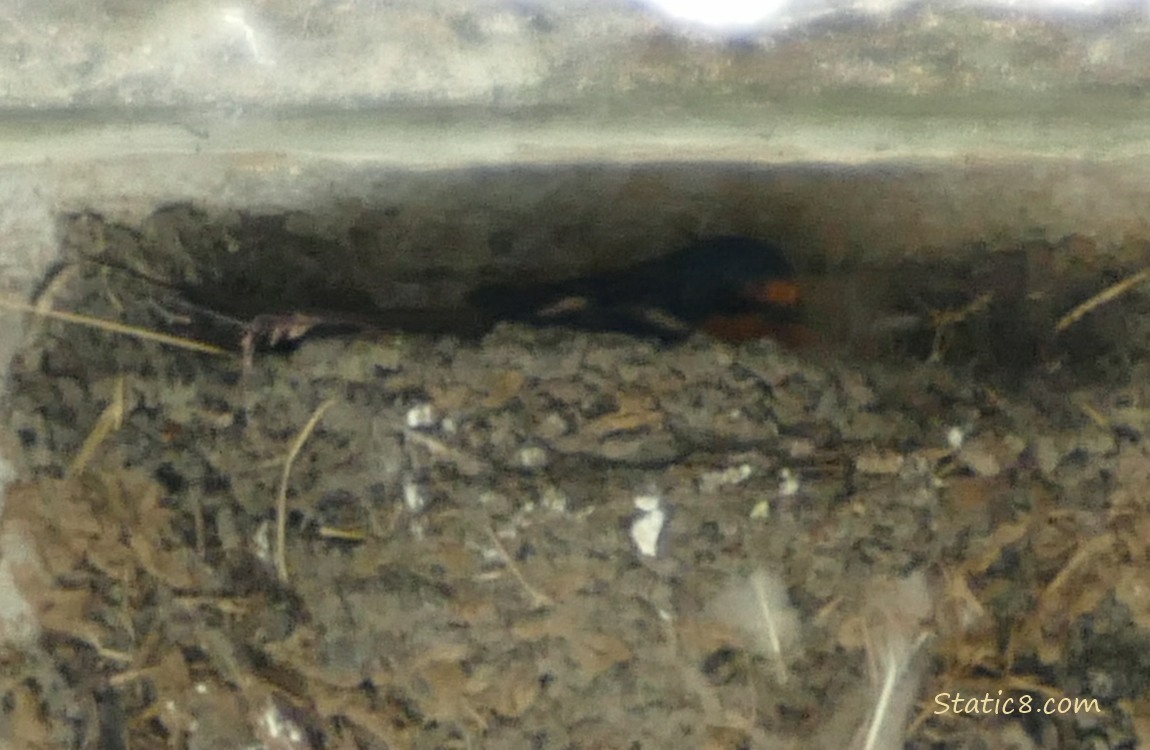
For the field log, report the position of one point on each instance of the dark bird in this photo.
(734, 288)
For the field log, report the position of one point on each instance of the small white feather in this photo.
(897, 630)
(758, 606)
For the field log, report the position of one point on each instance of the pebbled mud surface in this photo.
(548, 539)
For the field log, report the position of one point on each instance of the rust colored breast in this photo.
(751, 326)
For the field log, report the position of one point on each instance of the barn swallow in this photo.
(734, 288)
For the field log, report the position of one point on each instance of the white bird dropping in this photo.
(648, 525)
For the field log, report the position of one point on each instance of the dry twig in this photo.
(943, 320)
(1110, 293)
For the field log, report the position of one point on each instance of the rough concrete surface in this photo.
(358, 52)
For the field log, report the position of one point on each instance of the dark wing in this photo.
(664, 297)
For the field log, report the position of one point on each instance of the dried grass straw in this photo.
(112, 327)
(281, 496)
(109, 421)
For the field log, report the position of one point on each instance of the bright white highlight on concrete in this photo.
(721, 13)
(734, 15)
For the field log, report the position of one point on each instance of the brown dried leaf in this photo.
(301, 653)
(506, 691)
(635, 411)
(535, 628)
(443, 651)
(1139, 712)
(501, 387)
(970, 654)
(726, 738)
(442, 689)
(880, 462)
(60, 528)
(1132, 476)
(170, 676)
(1133, 531)
(1081, 584)
(703, 636)
(473, 606)
(595, 653)
(67, 612)
(967, 631)
(987, 455)
(973, 496)
(1057, 535)
(1083, 581)
(27, 727)
(993, 546)
(451, 397)
(960, 610)
(110, 557)
(387, 722)
(1133, 590)
(567, 582)
(175, 568)
(113, 522)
